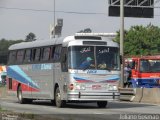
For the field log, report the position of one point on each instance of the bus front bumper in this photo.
(94, 96)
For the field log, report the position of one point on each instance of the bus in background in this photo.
(145, 72)
(52, 70)
(3, 75)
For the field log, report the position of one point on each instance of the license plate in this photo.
(96, 87)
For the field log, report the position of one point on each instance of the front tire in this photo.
(59, 103)
(53, 102)
(102, 104)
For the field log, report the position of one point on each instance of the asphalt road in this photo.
(79, 111)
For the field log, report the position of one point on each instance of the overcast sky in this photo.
(17, 23)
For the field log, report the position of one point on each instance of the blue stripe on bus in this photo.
(18, 74)
(113, 78)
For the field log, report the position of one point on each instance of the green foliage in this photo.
(30, 37)
(87, 30)
(4, 45)
(140, 40)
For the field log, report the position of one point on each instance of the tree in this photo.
(4, 45)
(140, 40)
(87, 30)
(30, 37)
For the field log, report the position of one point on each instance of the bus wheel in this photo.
(102, 104)
(19, 95)
(53, 102)
(28, 101)
(59, 103)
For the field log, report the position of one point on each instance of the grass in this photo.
(20, 116)
(24, 116)
(1, 85)
(28, 116)
(1, 110)
(3, 91)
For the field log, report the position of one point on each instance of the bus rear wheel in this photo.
(102, 104)
(21, 100)
(59, 103)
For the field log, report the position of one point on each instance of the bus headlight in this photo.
(80, 87)
(112, 87)
(115, 87)
(83, 87)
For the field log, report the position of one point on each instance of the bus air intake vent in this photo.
(88, 37)
(94, 43)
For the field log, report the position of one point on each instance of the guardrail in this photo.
(127, 94)
(143, 95)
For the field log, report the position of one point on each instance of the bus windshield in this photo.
(99, 57)
(150, 65)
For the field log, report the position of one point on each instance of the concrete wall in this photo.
(147, 95)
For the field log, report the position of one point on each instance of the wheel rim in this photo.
(58, 97)
(20, 95)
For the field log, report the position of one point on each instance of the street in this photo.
(79, 111)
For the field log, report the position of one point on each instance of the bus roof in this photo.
(70, 40)
(37, 43)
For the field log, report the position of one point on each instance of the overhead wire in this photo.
(60, 11)
(43, 10)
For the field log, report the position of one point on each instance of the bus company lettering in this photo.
(46, 66)
(84, 50)
(92, 71)
(42, 67)
(104, 51)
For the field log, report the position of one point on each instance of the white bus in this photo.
(51, 70)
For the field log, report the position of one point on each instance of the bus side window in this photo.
(12, 57)
(64, 60)
(20, 56)
(27, 57)
(53, 51)
(57, 53)
(46, 54)
(37, 53)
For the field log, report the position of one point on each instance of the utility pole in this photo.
(122, 41)
(54, 18)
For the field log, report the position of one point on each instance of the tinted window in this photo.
(37, 53)
(108, 57)
(27, 57)
(78, 54)
(94, 57)
(46, 54)
(64, 60)
(12, 57)
(20, 56)
(53, 50)
(57, 53)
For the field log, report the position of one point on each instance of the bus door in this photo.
(42, 73)
(64, 69)
(134, 71)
